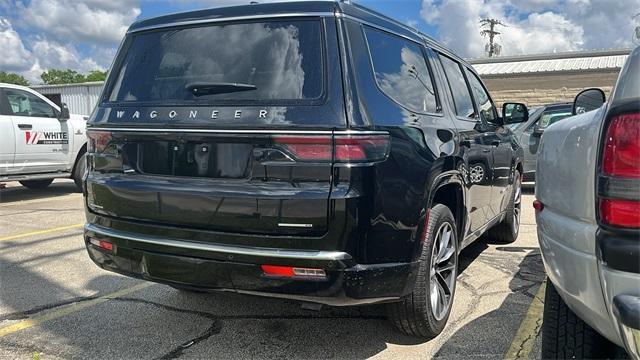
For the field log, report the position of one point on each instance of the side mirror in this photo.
(587, 100)
(513, 113)
(64, 113)
(537, 131)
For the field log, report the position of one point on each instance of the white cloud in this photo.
(534, 26)
(15, 57)
(95, 21)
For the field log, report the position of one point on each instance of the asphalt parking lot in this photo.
(55, 303)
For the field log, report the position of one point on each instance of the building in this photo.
(549, 78)
(80, 98)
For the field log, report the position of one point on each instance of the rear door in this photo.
(239, 140)
(42, 141)
(475, 142)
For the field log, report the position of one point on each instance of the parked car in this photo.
(316, 151)
(588, 216)
(529, 133)
(39, 141)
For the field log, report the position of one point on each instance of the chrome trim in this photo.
(240, 131)
(231, 18)
(295, 225)
(224, 249)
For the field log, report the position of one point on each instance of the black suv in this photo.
(316, 151)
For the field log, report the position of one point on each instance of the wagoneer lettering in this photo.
(191, 114)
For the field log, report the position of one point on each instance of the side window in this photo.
(485, 105)
(459, 90)
(551, 116)
(401, 71)
(23, 103)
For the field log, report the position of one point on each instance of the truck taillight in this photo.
(347, 148)
(622, 147)
(98, 141)
(619, 189)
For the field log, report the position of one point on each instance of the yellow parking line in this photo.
(525, 338)
(40, 232)
(68, 309)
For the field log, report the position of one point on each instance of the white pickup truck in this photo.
(39, 141)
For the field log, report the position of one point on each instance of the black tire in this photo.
(79, 170)
(36, 184)
(566, 336)
(507, 231)
(414, 314)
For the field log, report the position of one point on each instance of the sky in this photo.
(36, 35)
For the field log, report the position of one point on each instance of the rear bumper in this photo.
(237, 268)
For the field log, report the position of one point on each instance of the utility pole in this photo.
(491, 48)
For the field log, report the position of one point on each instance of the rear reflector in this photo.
(103, 244)
(538, 205)
(289, 271)
(347, 148)
(622, 147)
(622, 213)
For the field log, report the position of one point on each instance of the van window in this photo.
(401, 71)
(262, 62)
(459, 90)
(487, 110)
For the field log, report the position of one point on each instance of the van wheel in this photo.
(566, 336)
(36, 184)
(79, 170)
(507, 231)
(425, 311)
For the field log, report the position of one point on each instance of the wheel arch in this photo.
(82, 151)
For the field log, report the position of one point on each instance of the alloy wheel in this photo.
(443, 271)
(517, 203)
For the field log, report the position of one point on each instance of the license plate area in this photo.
(200, 158)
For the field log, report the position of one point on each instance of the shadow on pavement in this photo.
(16, 192)
(490, 335)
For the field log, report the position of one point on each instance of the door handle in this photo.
(25, 126)
(495, 143)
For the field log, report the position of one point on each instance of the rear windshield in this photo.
(265, 62)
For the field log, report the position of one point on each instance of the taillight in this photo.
(619, 182)
(98, 141)
(342, 148)
(621, 155)
(622, 213)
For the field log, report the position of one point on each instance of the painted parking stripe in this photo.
(68, 309)
(525, 338)
(40, 232)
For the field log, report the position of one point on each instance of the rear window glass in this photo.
(266, 61)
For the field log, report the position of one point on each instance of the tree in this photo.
(12, 78)
(96, 75)
(55, 76)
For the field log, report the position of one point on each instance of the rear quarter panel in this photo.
(565, 184)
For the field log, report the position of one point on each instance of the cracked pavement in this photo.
(50, 273)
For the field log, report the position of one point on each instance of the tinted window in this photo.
(485, 106)
(278, 60)
(401, 71)
(551, 116)
(459, 89)
(23, 103)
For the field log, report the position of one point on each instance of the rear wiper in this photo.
(210, 88)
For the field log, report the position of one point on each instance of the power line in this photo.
(491, 48)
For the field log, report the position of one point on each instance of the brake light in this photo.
(98, 141)
(622, 147)
(623, 213)
(345, 148)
